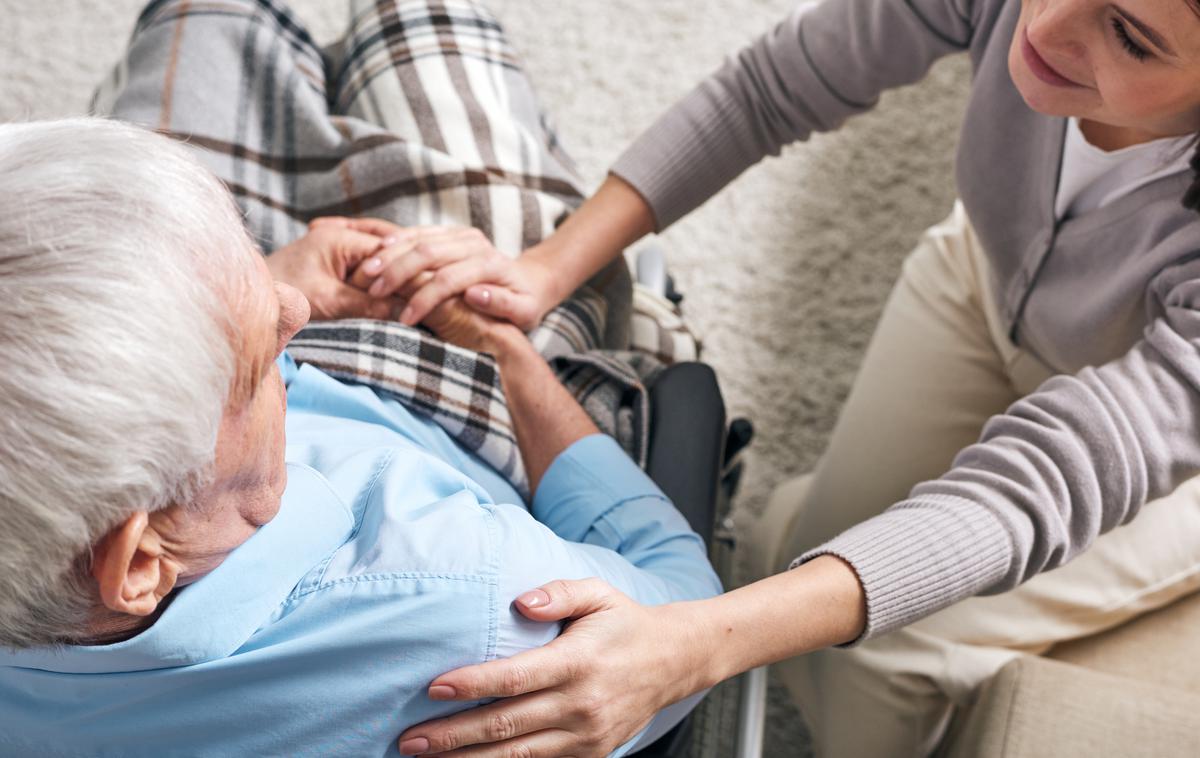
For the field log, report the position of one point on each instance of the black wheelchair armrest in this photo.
(687, 441)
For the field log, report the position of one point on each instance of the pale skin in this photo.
(618, 662)
(141, 561)
(1128, 69)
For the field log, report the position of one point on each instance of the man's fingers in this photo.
(500, 302)
(348, 302)
(497, 722)
(566, 599)
(341, 221)
(356, 248)
(376, 226)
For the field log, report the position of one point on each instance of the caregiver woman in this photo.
(1059, 303)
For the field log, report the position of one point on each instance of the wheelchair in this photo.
(695, 457)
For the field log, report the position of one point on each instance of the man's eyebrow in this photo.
(1147, 32)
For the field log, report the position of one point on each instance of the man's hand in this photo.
(584, 694)
(320, 263)
(432, 264)
(453, 322)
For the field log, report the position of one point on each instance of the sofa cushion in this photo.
(1043, 707)
(1159, 648)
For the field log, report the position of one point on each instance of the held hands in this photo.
(335, 267)
(584, 694)
(320, 263)
(434, 263)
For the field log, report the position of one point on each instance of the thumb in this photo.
(500, 302)
(355, 247)
(563, 599)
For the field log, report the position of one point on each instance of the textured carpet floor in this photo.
(785, 273)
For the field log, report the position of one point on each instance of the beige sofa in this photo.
(1131, 692)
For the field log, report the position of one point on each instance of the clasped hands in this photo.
(593, 688)
(451, 279)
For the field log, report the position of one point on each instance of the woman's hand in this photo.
(584, 694)
(434, 263)
(320, 263)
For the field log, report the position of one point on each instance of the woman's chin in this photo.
(1043, 98)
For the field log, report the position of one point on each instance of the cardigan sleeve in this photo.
(820, 65)
(1072, 460)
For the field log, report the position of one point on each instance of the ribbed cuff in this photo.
(920, 556)
(690, 153)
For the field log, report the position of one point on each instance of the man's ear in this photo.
(131, 569)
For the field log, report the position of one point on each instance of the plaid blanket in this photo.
(419, 114)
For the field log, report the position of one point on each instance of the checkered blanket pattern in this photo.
(420, 114)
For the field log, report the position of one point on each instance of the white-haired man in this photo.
(177, 580)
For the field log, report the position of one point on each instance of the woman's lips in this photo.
(1040, 68)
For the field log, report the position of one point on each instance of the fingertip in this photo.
(479, 296)
(413, 746)
(442, 692)
(407, 316)
(328, 221)
(534, 599)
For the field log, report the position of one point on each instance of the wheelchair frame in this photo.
(695, 458)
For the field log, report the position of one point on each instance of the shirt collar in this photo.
(216, 615)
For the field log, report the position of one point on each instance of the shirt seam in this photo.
(812, 66)
(493, 582)
(385, 461)
(959, 44)
(392, 576)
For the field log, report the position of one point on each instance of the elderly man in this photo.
(178, 579)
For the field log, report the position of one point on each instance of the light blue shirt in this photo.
(394, 558)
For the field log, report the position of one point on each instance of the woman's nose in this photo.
(1057, 28)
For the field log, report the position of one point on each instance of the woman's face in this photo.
(1131, 64)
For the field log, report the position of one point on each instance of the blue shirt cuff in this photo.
(585, 481)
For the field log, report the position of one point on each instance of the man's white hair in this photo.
(120, 260)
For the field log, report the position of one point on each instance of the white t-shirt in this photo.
(1090, 177)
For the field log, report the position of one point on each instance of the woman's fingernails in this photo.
(373, 266)
(377, 288)
(414, 746)
(484, 296)
(442, 692)
(389, 240)
(534, 599)
(406, 316)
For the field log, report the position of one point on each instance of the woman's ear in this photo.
(131, 569)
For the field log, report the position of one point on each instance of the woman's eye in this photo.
(1131, 47)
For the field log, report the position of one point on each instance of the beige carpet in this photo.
(784, 273)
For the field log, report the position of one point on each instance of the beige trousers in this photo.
(937, 367)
